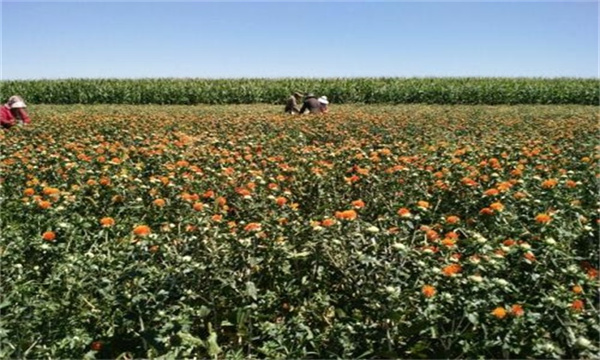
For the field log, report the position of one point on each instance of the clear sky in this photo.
(298, 39)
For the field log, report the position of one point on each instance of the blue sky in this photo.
(298, 39)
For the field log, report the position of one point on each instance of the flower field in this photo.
(412, 231)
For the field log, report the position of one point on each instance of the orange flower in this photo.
(104, 181)
(517, 310)
(451, 235)
(486, 211)
(159, 202)
(182, 163)
(198, 206)
(217, 218)
(508, 242)
(142, 230)
(448, 242)
(358, 204)
(428, 290)
(519, 195)
(49, 236)
(452, 219)
(50, 191)
(571, 184)
(28, 192)
(549, 184)
(221, 201)
(529, 256)
(497, 206)
(280, 201)
(328, 222)
(577, 289)
(404, 212)
(107, 221)
(432, 234)
(208, 194)
(253, 226)
(577, 305)
(346, 215)
(423, 204)
(452, 269)
(44, 204)
(491, 192)
(543, 218)
(499, 312)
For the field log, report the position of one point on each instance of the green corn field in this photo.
(489, 91)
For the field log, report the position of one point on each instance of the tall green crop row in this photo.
(339, 90)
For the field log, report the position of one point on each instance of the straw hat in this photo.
(323, 100)
(16, 102)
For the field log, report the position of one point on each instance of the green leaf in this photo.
(251, 290)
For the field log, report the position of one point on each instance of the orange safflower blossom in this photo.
(486, 211)
(491, 192)
(159, 202)
(346, 215)
(107, 221)
(358, 204)
(404, 213)
(529, 256)
(280, 201)
(517, 310)
(448, 242)
(577, 305)
(142, 230)
(49, 236)
(428, 291)
(499, 312)
(50, 191)
(452, 269)
(543, 218)
(328, 222)
(423, 204)
(497, 206)
(44, 204)
(577, 289)
(198, 206)
(253, 226)
(452, 219)
(549, 184)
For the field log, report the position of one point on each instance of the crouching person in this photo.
(13, 113)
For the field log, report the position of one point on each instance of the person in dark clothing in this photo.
(311, 104)
(324, 102)
(291, 106)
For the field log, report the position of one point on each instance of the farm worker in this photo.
(312, 104)
(13, 113)
(291, 106)
(324, 102)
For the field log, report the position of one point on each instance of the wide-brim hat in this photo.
(309, 95)
(323, 100)
(15, 102)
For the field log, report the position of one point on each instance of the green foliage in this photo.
(339, 90)
(281, 260)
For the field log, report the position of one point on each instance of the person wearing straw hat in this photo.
(291, 106)
(323, 102)
(311, 104)
(13, 113)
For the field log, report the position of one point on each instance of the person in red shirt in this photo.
(13, 113)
